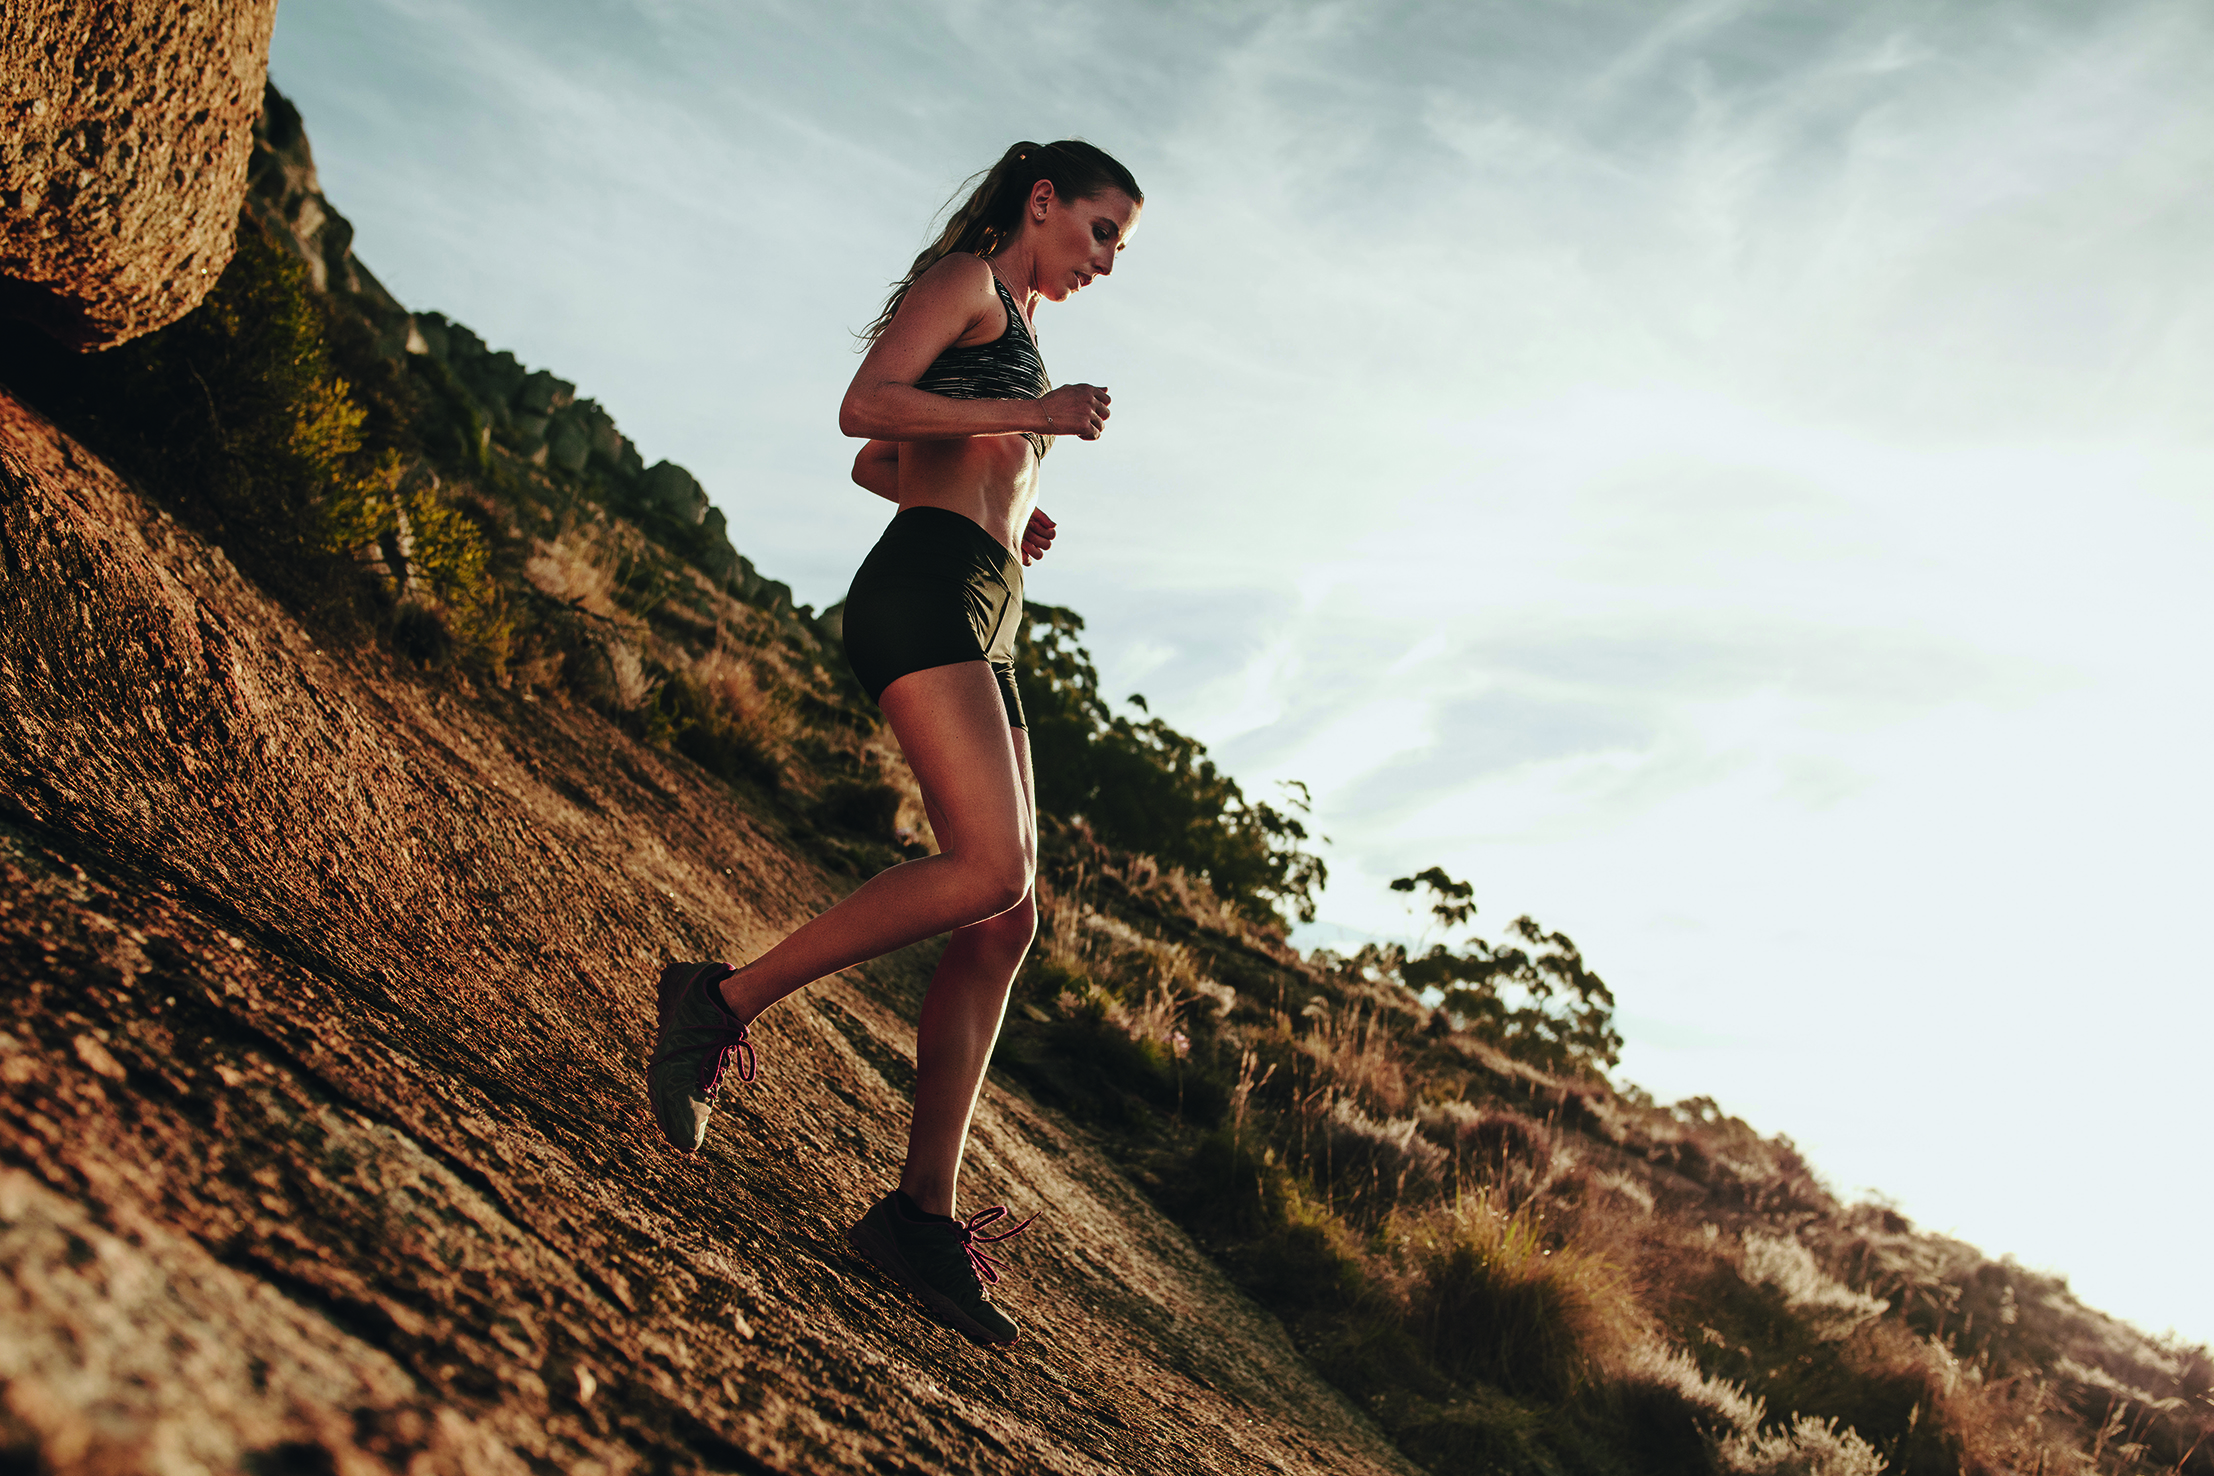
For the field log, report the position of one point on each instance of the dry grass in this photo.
(1150, 988)
(1355, 1052)
(1372, 1165)
(1505, 1153)
(1742, 1439)
(760, 710)
(1494, 1299)
(1783, 1264)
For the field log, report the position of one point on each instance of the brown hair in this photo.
(992, 215)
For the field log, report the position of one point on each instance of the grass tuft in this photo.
(1495, 1300)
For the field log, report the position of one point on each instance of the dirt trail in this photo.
(323, 1145)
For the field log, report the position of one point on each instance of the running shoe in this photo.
(942, 1261)
(693, 1046)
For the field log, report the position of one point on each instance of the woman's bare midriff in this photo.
(990, 480)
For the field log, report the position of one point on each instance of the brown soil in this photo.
(324, 1144)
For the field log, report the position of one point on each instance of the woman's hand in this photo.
(1078, 410)
(877, 468)
(1037, 537)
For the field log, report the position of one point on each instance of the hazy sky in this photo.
(1734, 481)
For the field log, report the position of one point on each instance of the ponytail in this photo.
(992, 214)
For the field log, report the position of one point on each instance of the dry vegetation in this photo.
(1517, 1268)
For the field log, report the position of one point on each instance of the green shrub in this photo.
(236, 416)
(1145, 787)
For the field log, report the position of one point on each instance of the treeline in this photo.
(1143, 786)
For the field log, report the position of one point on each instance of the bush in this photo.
(235, 416)
(1494, 1302)
(1145, 787)
(690, 717)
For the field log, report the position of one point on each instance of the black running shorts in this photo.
(935, 590)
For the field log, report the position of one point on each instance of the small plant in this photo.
(1355, 1050)
(1495, 1300)
(236, 416)
(706, 726)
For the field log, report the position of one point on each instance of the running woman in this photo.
(957, 413)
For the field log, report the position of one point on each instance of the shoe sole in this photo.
(878, 1248)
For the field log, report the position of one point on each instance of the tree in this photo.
(1143, 786)
(1533, 997)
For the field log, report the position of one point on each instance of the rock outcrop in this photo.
(323, 1146)
(128, 125)
(287, 195)
(535, 414)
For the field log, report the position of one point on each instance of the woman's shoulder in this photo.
(958, 271)
(956, 288)
(944, 304)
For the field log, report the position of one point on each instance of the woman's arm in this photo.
(947, 303)
(876, 467)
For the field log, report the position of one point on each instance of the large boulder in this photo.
(542, 394)
(568, 447)
(716, 556)
(123, 157)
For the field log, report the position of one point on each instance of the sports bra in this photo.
(1007, 368)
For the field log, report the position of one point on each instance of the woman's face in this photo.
(1078, 239)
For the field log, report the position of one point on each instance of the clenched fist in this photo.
(1078, 410)
(1037, 537)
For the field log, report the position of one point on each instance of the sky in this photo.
(1734, 481)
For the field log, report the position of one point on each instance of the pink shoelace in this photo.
(726, 1044)
(987, 1265)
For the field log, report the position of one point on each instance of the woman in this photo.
(955, 407)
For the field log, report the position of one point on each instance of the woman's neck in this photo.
(1015, 266)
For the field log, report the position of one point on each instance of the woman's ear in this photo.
(1041, 199)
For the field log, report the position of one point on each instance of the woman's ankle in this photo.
(930, 1199)
(723, 998)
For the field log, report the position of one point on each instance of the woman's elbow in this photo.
(861, 413)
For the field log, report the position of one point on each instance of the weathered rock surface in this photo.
(128, 125)
(285, 194)
(323, 1147)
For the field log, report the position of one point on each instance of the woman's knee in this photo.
(996, 884)
(993, 948)
(1012, 930)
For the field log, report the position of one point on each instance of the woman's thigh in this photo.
(973, 768)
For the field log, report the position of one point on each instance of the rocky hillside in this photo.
(374, 721)
(326, 992)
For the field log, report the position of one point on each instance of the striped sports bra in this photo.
(1007, 368)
